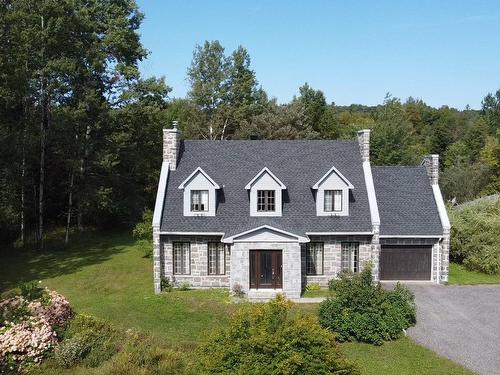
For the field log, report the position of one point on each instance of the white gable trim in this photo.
(443, 214)
(160, 194)
(265, 170)
(370, 189)
(333, 169)
(235, 237)
(198, 170)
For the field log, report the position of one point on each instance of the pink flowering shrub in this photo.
(56, 312)
(27, 329)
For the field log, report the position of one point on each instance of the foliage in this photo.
(238, 291)
(475, 235)
(144, 234)
(28, 331)
(265, 339)
(71, 351)
(184, 286)
(166, 284)
(459, 275)
(31, 290)
(365, 311)
(313, 287)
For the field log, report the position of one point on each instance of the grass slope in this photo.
(459, 275)
(108, 276)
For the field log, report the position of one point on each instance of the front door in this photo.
(265, 269)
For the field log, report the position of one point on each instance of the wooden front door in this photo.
(265, 269)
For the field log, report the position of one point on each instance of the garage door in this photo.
(405, 262)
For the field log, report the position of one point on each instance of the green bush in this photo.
(313, 287)
(475, 236)
(184, 286)
(166, 284)
(103, 341)
(72, 351)
(266, 339)
(366, 312)
(31, 290)
(143, 233)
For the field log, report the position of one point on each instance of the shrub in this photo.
(144, 233)
(238, 291)
(25, 342)
(475, 235)
(27, 331)
(266, 339)
(71, 351)
(166, 284)
(313, 287)
(31, 290)
(364, 311)
(103, 341)
(184, 286)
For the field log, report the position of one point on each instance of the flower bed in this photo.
(28, 328)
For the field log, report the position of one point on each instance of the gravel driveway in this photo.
(461, 323)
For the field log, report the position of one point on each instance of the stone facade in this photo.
(291, 271)
(172, 146)
(198, 277)
(332, 257)
(431, 163)
(364, 144)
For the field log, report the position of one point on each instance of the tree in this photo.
(392, 135)
(491, 111)
(314, 104)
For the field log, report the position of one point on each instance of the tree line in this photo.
(80, 129)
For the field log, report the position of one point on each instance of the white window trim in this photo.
(208, 184)
(278, 188)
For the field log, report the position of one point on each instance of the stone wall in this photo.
(199, 277)
(332, 257)
(291, 269)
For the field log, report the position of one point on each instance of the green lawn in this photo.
(317, 293)
(108, 276)
(461, 276)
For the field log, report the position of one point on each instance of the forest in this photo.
(80, 128)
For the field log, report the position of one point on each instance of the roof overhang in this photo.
(198, 170)
(339, 233)
(284, 236)
(327, 174)
(265, 170)
(437, 236)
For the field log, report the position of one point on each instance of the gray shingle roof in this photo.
(405, 201)
(298, 164)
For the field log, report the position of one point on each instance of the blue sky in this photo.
(444, 52)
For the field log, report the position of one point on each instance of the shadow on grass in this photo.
(20, 264)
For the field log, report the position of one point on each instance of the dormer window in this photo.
(199, 200)
(200, 193)
(266, 200)
(333, 200)
(265, 193)
(332, 194)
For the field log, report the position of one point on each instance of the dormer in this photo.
(332, 194)
(199, 194)
(265, 191)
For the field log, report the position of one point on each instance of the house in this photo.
(273, 216)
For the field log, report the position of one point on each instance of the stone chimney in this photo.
(431, 163)
(364, 144)
(171, 145)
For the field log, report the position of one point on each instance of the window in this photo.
(182, 258)
(265, 200)
(216, 258)
(314, 258)
(333, 200)
(199, 200)
(350, 256)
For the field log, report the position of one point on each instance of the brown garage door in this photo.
(405, 263)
